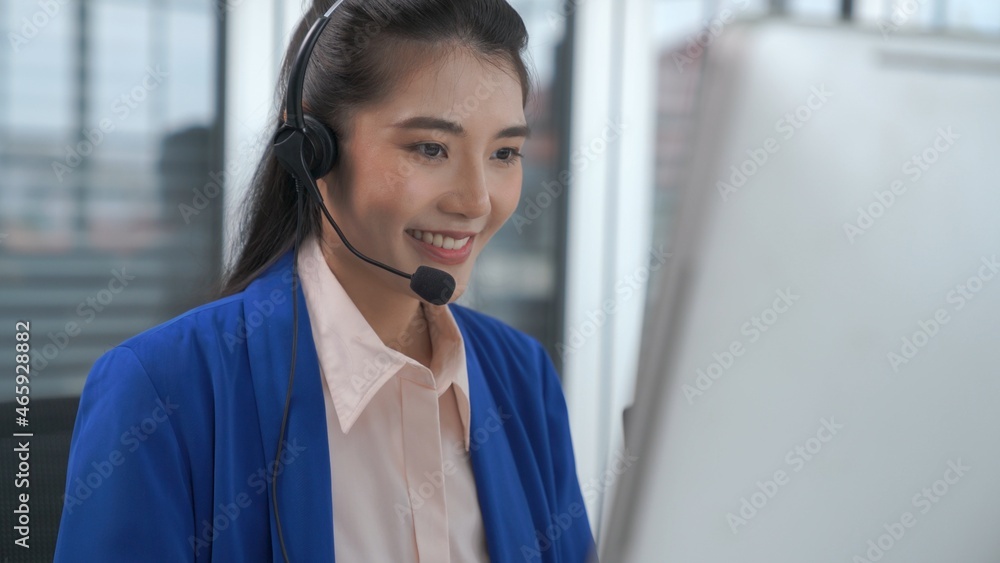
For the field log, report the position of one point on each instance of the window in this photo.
(109, 216)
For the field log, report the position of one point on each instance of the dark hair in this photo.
(364, 50)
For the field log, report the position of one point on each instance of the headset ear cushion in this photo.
(321, 151)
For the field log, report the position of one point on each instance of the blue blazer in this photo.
(174, 443)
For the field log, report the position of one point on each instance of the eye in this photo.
(508, 155)
(430, 151)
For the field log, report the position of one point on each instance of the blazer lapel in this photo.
(304, 493)
(505, 510)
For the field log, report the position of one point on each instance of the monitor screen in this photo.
(820, 373)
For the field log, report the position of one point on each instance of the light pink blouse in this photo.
(401, 476)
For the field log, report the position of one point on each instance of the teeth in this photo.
(438, 240)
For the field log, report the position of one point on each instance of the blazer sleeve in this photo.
(128, 494)
(576, 543)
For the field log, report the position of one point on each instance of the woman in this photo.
(411, 431)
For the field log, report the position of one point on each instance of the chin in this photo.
(459, 291)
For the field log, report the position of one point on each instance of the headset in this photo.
(307, 149)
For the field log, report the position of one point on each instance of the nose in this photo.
(470, 195)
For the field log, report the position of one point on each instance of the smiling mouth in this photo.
(438, 240)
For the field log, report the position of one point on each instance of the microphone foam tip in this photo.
(432, 285)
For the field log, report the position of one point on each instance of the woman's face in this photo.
(428, 175)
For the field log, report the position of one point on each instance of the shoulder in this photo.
(197, 330)
(219, 327)
(180, 356)
(182, 365)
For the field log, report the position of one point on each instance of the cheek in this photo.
(384, 194)
(505, 199)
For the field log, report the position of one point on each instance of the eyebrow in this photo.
(427, 122)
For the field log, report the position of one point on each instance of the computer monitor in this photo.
(820, 374)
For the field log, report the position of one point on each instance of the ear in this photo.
(329, 186)
(323, 187)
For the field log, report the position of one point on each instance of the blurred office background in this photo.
(129, 130)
